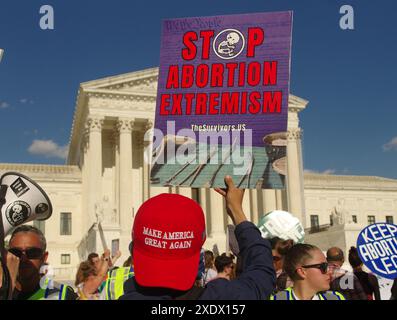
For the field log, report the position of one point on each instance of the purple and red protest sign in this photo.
(222, 101)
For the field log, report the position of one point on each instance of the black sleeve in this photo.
(394, 290)
(358, 289)
(257, 279)
(373, 280)
(70, 294)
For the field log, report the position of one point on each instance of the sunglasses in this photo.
(30, 253)
(324, 267)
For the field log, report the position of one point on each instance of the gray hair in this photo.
(27, 228)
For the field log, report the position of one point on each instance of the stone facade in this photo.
(356, 199)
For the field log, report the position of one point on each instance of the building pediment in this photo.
(134, 83)
(296, 104)
(111, 97)
(44, 172)
(340, 182)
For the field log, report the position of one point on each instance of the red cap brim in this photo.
(174, 274)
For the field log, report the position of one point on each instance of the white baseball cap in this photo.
(281, 224)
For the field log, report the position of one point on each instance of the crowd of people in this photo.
(167, 261)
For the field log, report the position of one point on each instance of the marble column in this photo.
(187, 192)
(124, 127)
(203, 202)
(254, 205)
(217, 222)
(85, 176)
(279, 200)
(295, 191)
(247, 204)
(146, 164)
(116, 178)
(137, 168)
(269, 200)
(94, 165)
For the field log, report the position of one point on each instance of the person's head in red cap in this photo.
(168, 233)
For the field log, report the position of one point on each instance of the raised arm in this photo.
(258, 278)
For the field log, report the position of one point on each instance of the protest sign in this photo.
(222, 101)
(377, 248)
(23, 201)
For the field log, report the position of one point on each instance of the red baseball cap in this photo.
(168, 233)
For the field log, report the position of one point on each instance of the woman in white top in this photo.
(209, 272)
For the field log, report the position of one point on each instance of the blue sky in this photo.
(348, 76)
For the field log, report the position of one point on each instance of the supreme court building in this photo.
(106, 179)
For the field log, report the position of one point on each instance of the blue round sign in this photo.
(377, 248)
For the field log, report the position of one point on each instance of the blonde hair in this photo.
(85, 270)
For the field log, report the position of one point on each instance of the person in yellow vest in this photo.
(308, 268)
(29, 245)
(113, 287)
(56, 291)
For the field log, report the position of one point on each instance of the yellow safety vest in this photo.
(288, 295)
(47, 293)
(114, 286)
